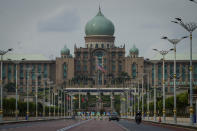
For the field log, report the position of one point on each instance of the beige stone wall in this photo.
(59, 69)
(139, 61)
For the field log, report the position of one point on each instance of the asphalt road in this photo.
(87, 125)
(145, 126)
(39, 126)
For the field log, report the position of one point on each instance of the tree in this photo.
(10, 87)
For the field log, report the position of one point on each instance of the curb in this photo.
(169, 124)
(27, 121)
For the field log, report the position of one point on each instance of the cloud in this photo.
(63, 21)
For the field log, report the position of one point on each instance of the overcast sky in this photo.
(45, 26)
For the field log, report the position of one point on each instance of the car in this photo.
(114, 116)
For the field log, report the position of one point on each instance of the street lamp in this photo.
(16, 62)
(37, 74)
(44, 94)
(50, 84)
(155, 100)
(190, 27)
(27, 113)
(163, 53)
(193, 1)
(174, 42)
(2, 52)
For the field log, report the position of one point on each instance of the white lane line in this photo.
(121, 126)
(71, 126)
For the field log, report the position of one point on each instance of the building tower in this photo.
(100, 57)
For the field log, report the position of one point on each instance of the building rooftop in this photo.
(32, 57)
(170, 56)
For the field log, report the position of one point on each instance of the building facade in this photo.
(99, 64)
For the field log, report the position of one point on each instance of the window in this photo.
(45, 71)
(33, 76)
(120, 68)
(78, 68)
(64, 70)
(102, 45)
(107, 45)
(113, 67)
(178, 70)
(119, 54)
(134, 71)
(183, 72)
(159, 72)
(195, 71)
(39, 68)
(96, 45)
(14, 72)
(171, 71)
(85, 55)
(188, 72)
(78, 54)
(153, 74)
(84, 67)
(113, 54)
(166, 72)
(21, 72)
(9, 72)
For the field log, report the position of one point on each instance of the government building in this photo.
(99, 64)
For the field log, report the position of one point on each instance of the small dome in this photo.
(65, 50)
(99, 25)
(134, 50)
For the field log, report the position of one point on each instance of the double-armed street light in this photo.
(16, 62)
(28, 70)
(163, 53)
(193, 1)
(190, 27)
(174, 42)
(44, 94)
(154, 78)
(50, 85)
(37, 75)
(2, 53)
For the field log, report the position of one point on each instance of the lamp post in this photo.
(50, 84)
(44, 94)
(155, 100)
(193, 1)
(190, 27)
(16, 62)
(138, 100)
(163, 53)
(174, 42)
(27, 113)
(37, 74)
(2, 52)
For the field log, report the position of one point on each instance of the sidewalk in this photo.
(183, 122)
(11, 120)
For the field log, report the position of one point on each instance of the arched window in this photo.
(64, 70)
(102, 45)
(134, 71)
(96, 45)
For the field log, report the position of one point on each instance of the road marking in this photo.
(74, 125)
(122, 126)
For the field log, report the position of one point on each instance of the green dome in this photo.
(134, 50)
(99, 25)
(65, 50)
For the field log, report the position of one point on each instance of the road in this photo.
(87, 125)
